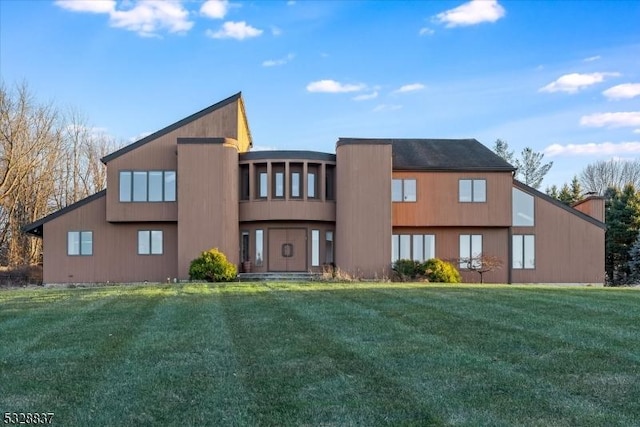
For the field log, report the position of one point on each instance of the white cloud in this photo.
(591, 58)
(614, 120)
(623, 91)
(332, 86)
(276, 31)
(386, 107)
(91, 6)
(276, 62)
(471, 13)
(366, 96)
(234, 30)
(139, 136)
(572, 83)
(636, 131)
(410, 88)
(216, 9)
(148, 17)
(605, 148)
(426, 31)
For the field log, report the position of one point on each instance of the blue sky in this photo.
(560, 77)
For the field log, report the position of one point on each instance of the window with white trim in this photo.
(403, 190)
(524, 251)
(80, 243)
(150, 242)
(472, 190)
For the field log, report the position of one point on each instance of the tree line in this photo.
(49, 159)
(618, 181)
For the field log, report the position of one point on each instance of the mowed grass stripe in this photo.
(179, 371)
(302, 376)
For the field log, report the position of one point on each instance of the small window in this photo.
(139, 186)
(472, 190)
(403, 190)
(311, 185)
(125, 186)
(524, 251)
(295, 184)
(150, 242)
(279, 184)
(259, 247)
(156, 182)
(80, 243)
(169, 186)
(244, 182)
(330, 183)
(329, 247)
(315, 248)
(263, 185)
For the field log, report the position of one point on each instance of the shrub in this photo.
(438, 270)
(407, 269)
(212, 266)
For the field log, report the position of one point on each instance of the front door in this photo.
(287, 249)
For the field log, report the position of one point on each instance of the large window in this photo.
(80, 243)
(259, 246)
(419, 247)
(403, 190)
(147, 186)
(149, 242)
(524, 251)
(470, 251)
(523, 210)
(472, 190)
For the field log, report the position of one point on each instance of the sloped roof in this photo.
(438, 154)
(558, 203)
(176, 125)
(35, 228)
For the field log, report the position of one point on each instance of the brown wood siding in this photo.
(592, 206)
(208, 209)
(363, 209)
(161, 154)
(568, 249)
(437, 200)
(115, 249)
(495, 242)
(265, 210)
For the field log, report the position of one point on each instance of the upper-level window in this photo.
(244, 182)
(147, 186)
(311, 185)
(279, 184)
(80, 243)
(472, 190)
(522, 208)
(295, 184)
(403, 190)
(329, 182)
(262, 185)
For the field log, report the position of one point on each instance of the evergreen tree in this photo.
(622, 216)
(634, 262)
(553, 191)
(576, 190)
(565, 195)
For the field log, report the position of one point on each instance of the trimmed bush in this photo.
(407, 269)
(438, 270)
(212, 266)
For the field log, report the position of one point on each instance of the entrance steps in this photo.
(279, 277)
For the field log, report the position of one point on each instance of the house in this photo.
(196, 184)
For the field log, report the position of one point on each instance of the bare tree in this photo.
(501, 148)
(481, 264)
(530, 168)
(598, 176)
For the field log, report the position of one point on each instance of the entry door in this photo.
(287, 249)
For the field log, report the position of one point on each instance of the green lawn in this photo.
(322, 354)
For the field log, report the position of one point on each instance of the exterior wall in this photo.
(266, 226)
(495, 242)
(243, 134)
(363, 209)
(160, 154)
(437, 200)
(208, 208)
(592, 206)
(568, 249)
(265, 210)
(115, 255)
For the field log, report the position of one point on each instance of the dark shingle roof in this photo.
(439, 154)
